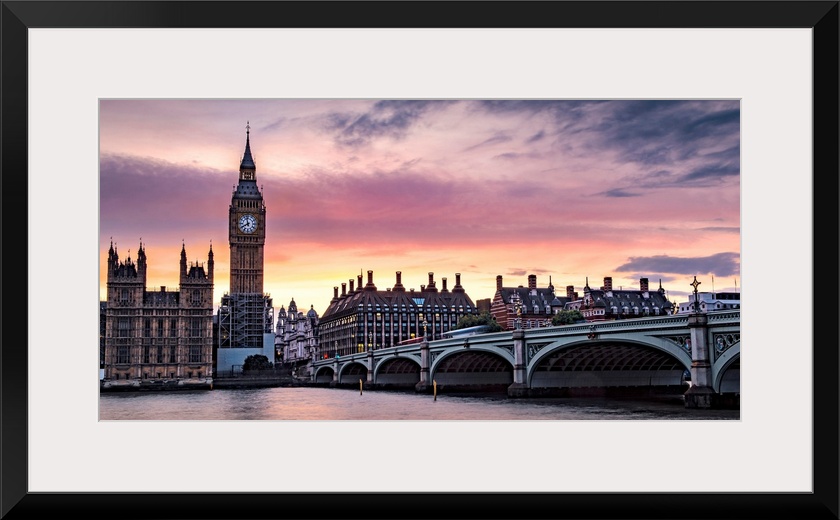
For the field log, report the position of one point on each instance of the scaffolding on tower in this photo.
(243, 320)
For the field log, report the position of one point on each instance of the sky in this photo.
(567, 190)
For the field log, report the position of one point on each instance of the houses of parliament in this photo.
(159, 338)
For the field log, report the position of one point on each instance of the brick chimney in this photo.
(370, 286)
(444, 285)
(643, 284)
(344, 288)
(570, 292)
(608, 283)
(351, 285)
(399, 286)
(457, 287)
(431, 285)
(499, 282)
(335, 293)
(532, 281)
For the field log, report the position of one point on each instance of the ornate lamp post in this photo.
(694, 284)
(425, 326)
(518, 307)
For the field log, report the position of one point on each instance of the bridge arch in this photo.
(726, 371)
(401, 371)
(461, 366)
(323, 374)
(351, 372)
(604, 363)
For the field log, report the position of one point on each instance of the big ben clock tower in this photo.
(246, 228)
(246, 314)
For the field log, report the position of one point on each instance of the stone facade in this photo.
(157, 337)
(536, 305)
(296, 335)
(606, 303)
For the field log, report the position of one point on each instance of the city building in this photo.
(157, 338)
(369, 318)
(103, 306)
(606, 303)
(296, 336)
(246, 314)
(711, 301)
(534, 306)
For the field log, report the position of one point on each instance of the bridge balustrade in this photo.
(640, 337)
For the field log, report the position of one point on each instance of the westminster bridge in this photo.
(650, 354)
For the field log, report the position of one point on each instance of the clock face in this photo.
(247, 223)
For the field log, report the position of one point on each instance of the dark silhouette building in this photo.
(365, 317)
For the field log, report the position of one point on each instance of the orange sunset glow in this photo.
(568, 190)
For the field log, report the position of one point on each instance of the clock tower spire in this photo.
(246, 228)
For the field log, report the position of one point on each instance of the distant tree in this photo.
(474, 320)
(256, 362)
(567, 317)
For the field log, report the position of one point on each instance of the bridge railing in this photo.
(497, 338)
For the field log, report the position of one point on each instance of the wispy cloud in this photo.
(722, 264)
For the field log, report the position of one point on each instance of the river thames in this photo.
(329, 404)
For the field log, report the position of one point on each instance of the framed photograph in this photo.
(777, 60)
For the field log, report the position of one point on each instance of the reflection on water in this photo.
(328, 404)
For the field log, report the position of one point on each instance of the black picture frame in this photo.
(19, 16)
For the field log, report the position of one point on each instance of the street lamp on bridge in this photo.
(694, 284)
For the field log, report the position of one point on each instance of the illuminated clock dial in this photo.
(247, 224)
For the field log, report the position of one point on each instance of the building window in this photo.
(123, 355)
(195, 327)
(145, 354)
(123, 328)
(195, 354)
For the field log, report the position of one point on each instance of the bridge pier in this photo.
(519, 387)
(334, 381)
(423, 385)
(700, 394)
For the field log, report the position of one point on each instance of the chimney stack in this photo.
(351, 285)
(399, 286)
(359, 284)
(532, 281)
(335, 293)
(643, 284)
(431, 286)
(458, 288)
(499, 282)
(570, 292)
(370, 286)
(344, 289)
(608, 283)
(444, 283)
